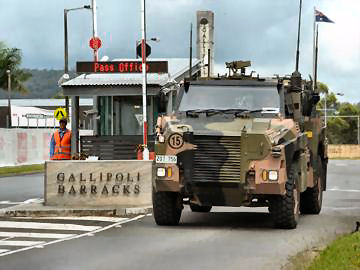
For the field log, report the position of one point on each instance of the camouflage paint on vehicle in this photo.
(226, 159)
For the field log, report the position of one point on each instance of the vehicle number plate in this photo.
(166, 159)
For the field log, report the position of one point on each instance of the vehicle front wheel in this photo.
(167, 208)
(285, 209)
(200, 208)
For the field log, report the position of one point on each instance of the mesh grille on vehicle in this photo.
(217, 158)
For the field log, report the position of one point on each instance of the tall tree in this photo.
(10, 59)
(322, 88)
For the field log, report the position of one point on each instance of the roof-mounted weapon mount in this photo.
(234, 73)
(235, 66)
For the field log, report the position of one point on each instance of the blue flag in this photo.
(320, 17)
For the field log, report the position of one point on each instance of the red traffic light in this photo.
(95, 43)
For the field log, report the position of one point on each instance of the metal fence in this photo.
(347, 116)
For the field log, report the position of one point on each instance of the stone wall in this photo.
(344, 151)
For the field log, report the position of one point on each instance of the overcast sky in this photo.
(262, 31)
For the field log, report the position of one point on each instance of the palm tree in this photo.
(10, 59)
(322, 88)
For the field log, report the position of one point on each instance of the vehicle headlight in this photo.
(161, 172)
(273, 175)
(161, 138)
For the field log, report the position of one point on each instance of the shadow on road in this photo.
(226, 220)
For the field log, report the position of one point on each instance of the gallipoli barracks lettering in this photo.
(107, 184)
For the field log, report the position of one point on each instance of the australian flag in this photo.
(320, 17)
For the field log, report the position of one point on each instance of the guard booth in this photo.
(116, 88)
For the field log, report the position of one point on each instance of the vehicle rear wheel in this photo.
(285, 209)
(311, 198)
(167, 208)
(200, 208)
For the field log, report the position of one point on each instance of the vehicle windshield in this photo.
(200, 97)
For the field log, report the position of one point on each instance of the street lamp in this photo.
(66, 47)
(8, 72)
(154, 39)
(325, 105)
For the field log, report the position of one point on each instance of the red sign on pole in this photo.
(95, 43)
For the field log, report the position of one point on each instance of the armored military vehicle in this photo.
(241, 140)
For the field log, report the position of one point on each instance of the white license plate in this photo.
(166, 159)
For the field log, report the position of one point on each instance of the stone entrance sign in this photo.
(121, 183)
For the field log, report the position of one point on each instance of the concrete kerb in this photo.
(40, 210)
(20, 174)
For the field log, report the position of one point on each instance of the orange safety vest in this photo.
(62, 146)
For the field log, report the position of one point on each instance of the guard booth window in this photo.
(122, 115)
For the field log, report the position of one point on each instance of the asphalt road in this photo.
(18, 189)
(224, 239)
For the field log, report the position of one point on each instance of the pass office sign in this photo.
(121, 67)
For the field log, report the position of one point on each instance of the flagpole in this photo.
(316, 68)
(316, 55)
(314, 46)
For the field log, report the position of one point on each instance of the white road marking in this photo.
(72, 237)
(35, 235)
(47, 226)
(343, 208)
(3, 250)
(7, 238)
(89, 218)
(32, 200)
(342, 190)
(341, 164)
(20, 243)
(8, 202)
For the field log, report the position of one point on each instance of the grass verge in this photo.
(343, 253)
(24, 169)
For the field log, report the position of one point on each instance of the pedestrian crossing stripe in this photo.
(19, 241)
(38, 236)
(60, 113)
(49, 226)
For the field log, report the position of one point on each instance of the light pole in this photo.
(325, 105)
(154, 39)
(144, 82)
(66, 47)
(8, 72)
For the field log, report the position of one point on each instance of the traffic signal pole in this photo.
(144, 81)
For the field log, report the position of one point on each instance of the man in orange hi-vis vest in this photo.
(60, 144)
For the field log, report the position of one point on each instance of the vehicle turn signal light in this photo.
(264, 175)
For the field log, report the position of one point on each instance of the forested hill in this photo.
(42, 84)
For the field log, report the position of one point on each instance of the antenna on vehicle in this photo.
(298, 39)
(293, 103)
(190, 64)
(209, 60)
